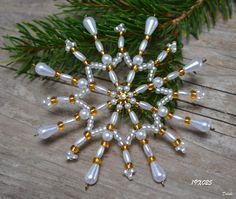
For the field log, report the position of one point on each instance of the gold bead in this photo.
(109, 104)
(92, 86)
(72, 99)
(54, 100)
(124, 147)
(77, 117)
(97, 160)
(169, 115)
(193, 94)
(128, 165)
(74, 149)
(74, 81)
(157, 62)
(93, 111)
(116, 84)
(176, 143)
(121, 33)
(86, 62)
(122, 50)
(57, 74)
(109, 91)
(154, 109)
(150, 86)
(106, 144)
(165, 80)
(147, 37)
(143, 141)
(151, 159)
(181, 72)
(135, 68)
(109, 67)
(136, 104)
(187, 120)
(168, 50)
(72, 49)
(140, 52)
(137, 126)
(175, 95)
(162, 131)
(95, 37)
(135, 93)
(110, 127)
(102, 52)
(128, 84)
(128, 110)
(87, 135)
(118, 110)
(61, 125)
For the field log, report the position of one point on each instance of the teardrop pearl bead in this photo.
(92, 175)
(151, 25)
(90, 25)
(44, 70)
(201, 125)
(158, 173)
(45, 132)
(193, 65)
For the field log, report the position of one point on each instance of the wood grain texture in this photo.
(30, 168)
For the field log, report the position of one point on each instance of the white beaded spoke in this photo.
(122, 98)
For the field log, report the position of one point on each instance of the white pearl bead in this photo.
(133, 117)
(162, 56)
(126, 156)
(113, 76)
(130, 76)
(45, 132)
(100, 89)
(141, 134)
(107, 136)
(71, 156)
(162, 111)
(151, 25)
(119, 106)
(100, 151)
(92, 175)
(143, 45)
(138, 60)
(169, 135)
(141, 88)
(158, 173)
(147, 150)
(173, 75)
(90, 25)
(99, 46)
(126, 88)
(82, 83)
(106, 59)
(84, 114)
(121, 42)
(201, 125)
(114, 118)
(44, 70)
(193, 65)
(132, 100)
(79, 56)
(145, 105)
(127, 105)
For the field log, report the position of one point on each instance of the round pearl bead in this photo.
(138, 60)
(84, 114)
(107, 136)
(82, 83)
(141, 134)
(106, 59)
(162, 111)
(158, 82)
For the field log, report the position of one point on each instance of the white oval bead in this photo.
(151, 25)
(69, 121)
(141, 134)
(162, 56)
(84, 114)
(107, 136)
(169, 135)
(106, 59)
(138, 60)
(92, 175)
(90, 25)
(133, 117)
(158, 173)
(45, 132)
(44, 70)
(126, 156)
(80, 141)
(114, 118)
(121, 42)
(101, 106)
(130, 76)
(82, 83)
(66, 77)
(145, 105)
(99, 46)
(113, 76)
(147, 150)
(193, 65)
(79, 56)
(100, 151)
(178, 118)
(100, 89)
(183, 93)
(141, 88)
(143, 45)
(158, 82)
(202, 125)
(173, 75)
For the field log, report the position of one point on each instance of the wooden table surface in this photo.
(30, 168)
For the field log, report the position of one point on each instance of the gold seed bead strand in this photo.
(54, 100)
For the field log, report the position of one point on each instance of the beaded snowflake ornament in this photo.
(122, 98)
